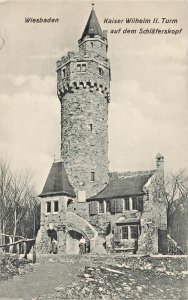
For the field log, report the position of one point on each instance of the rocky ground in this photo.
(11, 266)
(94, 277)
(120, 277)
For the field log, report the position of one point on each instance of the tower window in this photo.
(101, 71)
(48, 207)
(92, 44)
(56, 206)
(91, 127)
(92, 176)
(63, 72)
(81, 67)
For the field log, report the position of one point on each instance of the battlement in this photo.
(71, 87)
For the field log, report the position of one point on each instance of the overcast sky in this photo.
(149, 106)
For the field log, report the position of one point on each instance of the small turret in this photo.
(159, 161)
(93, 38)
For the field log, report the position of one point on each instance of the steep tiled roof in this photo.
(129, 186)
(57, 182)
(92, 27)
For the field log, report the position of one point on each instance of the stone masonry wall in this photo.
(93, 45)
(154, 215)
(43, 240)
(84, 151)
(84, 97)
(103, 221)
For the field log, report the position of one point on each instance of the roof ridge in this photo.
(126, 174)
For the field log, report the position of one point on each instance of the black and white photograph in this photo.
(93, 149)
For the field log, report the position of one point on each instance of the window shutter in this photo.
(119, 205)
(117, 233)
(113, 206)
(140, 203)
(93, 208)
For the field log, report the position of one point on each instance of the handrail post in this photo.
(25, 250)
(34, 253)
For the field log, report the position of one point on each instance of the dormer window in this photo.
(81, 67)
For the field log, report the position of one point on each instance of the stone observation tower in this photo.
(83, 87)
(125, 211)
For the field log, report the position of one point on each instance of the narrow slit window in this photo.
(101, 72)
(63, 72)
(48, 207)
(92, 176)
(91, 127)
(56, 208)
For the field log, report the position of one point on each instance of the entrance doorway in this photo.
(72, 242)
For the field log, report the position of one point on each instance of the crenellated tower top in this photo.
(89, 67)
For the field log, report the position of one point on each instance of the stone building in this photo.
(120, 211)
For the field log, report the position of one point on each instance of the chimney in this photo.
(159, 162)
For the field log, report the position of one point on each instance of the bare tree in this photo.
(19, 206)
(5, 194)
(176, 187)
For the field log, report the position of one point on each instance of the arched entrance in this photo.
(73, 240)
(52, 234)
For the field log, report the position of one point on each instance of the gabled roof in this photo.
(92, 27)
(57, 182)
(129, 186)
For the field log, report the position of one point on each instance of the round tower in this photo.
(83, 86)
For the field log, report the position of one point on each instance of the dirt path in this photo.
(50, 272)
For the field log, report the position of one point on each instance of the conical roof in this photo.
(92, 27)
(57, 182)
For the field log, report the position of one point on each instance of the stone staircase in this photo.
(173, 247)
(84, 226)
